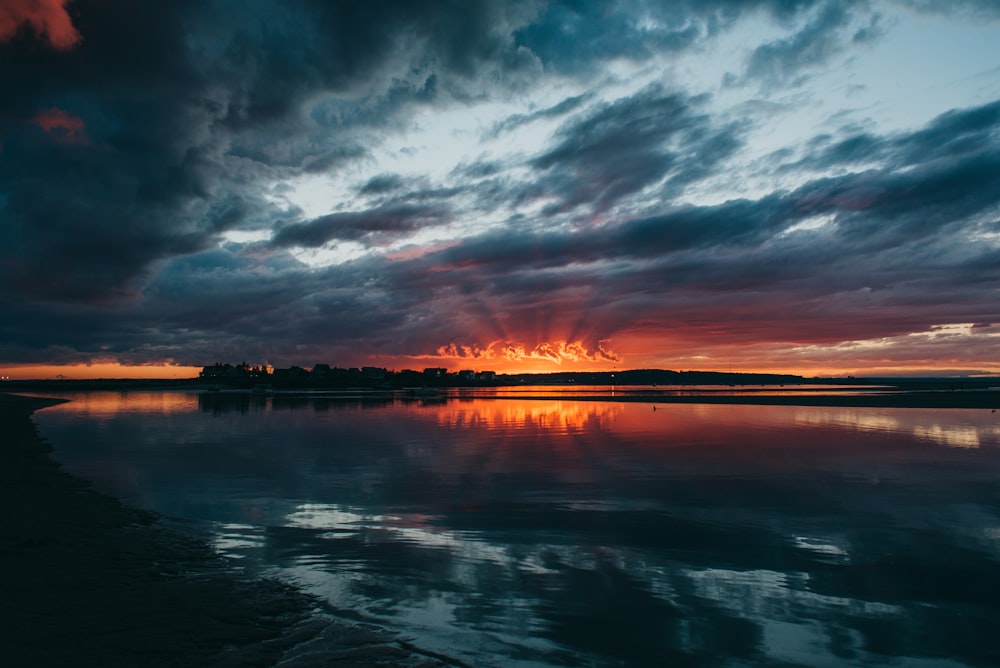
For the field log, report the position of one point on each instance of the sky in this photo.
(800, 186)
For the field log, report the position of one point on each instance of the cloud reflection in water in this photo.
(539, 532)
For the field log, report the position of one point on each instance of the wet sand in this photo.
(87, 580)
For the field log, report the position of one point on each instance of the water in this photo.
(548, 532)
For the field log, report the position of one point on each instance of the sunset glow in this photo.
(98, 370)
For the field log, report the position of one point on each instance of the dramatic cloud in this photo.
(48, 19)
(368, 225)
(630, 144)
(61, 126)
(555, 352)
(810, 185)
(779, 61)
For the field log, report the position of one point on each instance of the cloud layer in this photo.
(556, 185)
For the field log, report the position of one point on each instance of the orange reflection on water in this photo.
(109, 404)
(666, 423)
(556, 417)
(680, 423)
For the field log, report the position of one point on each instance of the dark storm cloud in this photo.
(561, 109)
(950, 136)
(737, 224)
(875, 208)
(781, 61)
(187, 103)
(221, 305)
(627, 145)
(377, 223)
(478, 169)
(87, 217)
(575, 36)
(34, 332)
(187, 106)
(934, 181)
(255, 309)
(884, 208)
(382, 184)
(286, 52)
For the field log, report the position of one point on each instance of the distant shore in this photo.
(907, 393)
(86, 580)
(661, 380)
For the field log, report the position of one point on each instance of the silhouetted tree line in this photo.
(325, 376)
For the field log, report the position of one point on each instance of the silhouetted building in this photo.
(218, 372)
(295, 374)
(240, 372)
(408, 377)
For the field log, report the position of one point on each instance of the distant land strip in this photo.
(323, 376)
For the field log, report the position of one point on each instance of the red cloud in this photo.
(63, 127)
(47, 18)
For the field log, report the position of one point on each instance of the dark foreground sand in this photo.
(88, 581)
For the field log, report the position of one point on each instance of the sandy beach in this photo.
(87, 580)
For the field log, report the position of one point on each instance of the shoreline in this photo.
(636, 378)
(889, 397)
(89, 580)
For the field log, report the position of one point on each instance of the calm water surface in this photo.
(505, 532)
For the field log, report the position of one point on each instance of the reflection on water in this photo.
(572, 390)
(955, 428)
(560, 532)
(104, 405)
(553, 417)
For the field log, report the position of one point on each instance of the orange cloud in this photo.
(556, 352)
(47, 18)
(63, 127)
